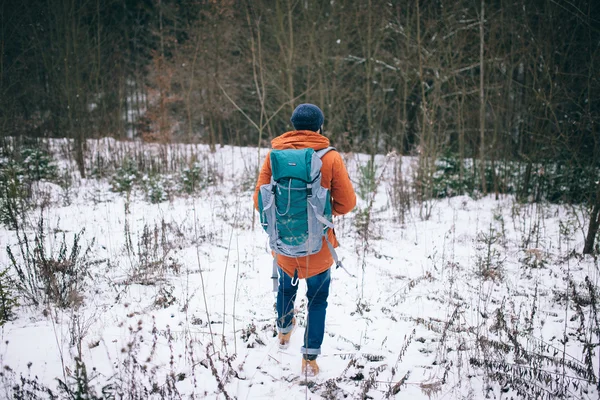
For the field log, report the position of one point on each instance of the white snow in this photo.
(417, 306)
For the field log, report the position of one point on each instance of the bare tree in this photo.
(593, 226)
(482, 98)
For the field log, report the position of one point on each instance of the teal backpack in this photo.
(295, 210)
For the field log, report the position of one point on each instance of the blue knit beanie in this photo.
(307, 117)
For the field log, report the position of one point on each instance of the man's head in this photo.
(307, 117)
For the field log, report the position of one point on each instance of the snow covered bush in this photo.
(153, 254)
(197, 176)
(191, 178)
(165, 298)
(8, 300)
(560, 182)
(18, 170)
(447, 180)
(38, 164)
(15, 190)
(556, 182)
(450, 180)
(490, 258)
(125, 176)
(156, 188)
(44, 274)
(128, 177)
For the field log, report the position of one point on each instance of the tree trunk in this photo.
(482, 101)
(213, 140)
(368, 90)
(524, 190)
(588, 248)
(290, 60)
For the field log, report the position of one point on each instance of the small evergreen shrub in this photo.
(367, 182)
(560, 182)
(128, 177)
(447, 180)
(125, 177)
(65, 181)
(15, 190)
(18, 170)
(38, 164)
(198, 176)
(78, 385)
(8, 300)
(155, 187)
(159, 187)
(500, 177)
(489, 259)
(191, 178)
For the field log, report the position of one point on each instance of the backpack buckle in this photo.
(309, 190)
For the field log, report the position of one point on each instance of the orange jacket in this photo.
(334, 177)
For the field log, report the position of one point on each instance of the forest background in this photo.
(506, 93)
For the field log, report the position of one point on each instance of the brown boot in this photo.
(309, 367)
(284, 338)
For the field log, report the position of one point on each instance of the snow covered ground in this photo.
(473, 301)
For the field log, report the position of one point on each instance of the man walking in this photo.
(307, 120)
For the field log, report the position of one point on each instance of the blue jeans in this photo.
(317, 293)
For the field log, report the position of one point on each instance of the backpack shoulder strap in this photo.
(324, 151)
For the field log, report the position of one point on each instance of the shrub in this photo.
(8, 300)
(155, 188)
(18, 170)
(556, 182)
(197, 176)
(15, 190)
(65, 181)
(191, 178)
(247, 179)
(78, 385)
(125, 177)
(367, 183)
(154, 254)
(560, 182)
(489, 256)
(136, 382)
(38, 164)
(530, 367)
(399, 191)
(44, 275)
(23, 387)
(447, 180)
(128, 176)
